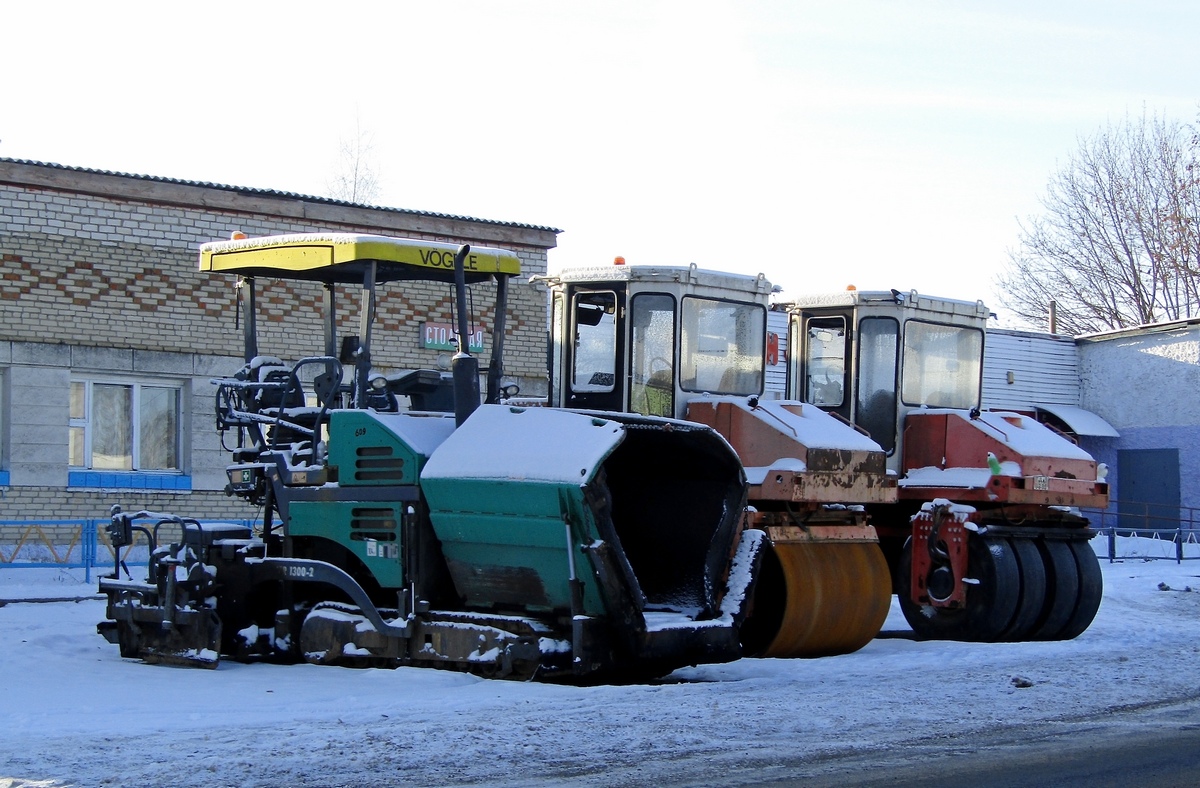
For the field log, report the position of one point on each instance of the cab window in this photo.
(723, 346)
(875, 408)
(941, 365)
(825, 362)
(594, 364)
(652, 364)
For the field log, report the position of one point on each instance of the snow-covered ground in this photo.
(75, 713)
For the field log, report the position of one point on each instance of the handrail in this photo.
(1137, 519)
(1170, 517)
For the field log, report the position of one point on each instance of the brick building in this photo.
(109, 333)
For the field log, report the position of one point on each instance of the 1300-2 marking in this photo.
(300, 571)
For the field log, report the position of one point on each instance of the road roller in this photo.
(691, 345)
(986, 541)
(413, 518)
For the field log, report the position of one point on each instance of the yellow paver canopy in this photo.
(343, 257)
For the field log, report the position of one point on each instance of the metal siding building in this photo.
(1024, 368)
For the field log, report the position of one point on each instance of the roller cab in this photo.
(691, 344)
(985, 542)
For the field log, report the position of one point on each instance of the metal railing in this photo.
(28, 544)
(1142, 530)
(32, 544)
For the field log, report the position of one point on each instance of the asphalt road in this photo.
(1152, 746)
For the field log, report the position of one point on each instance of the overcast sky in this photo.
(883, 144)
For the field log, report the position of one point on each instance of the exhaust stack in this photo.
(464, 367)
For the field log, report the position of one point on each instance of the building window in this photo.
(125, 426)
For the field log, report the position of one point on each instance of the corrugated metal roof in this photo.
(1082, 422)
(250, 190)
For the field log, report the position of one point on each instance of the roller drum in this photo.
(818, 599)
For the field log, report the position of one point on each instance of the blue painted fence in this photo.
(27, 544)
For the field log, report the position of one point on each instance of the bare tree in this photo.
(355, 178)
(1117, 244)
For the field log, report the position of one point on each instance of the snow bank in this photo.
(76, 713)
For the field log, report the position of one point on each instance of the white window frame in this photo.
(86, 423)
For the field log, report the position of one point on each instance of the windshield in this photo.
(722, 346)
(941, 365)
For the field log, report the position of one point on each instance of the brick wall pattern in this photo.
(86, 270)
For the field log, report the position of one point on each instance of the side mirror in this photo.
(588, 314)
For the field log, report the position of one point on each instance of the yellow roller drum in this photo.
(818, 598)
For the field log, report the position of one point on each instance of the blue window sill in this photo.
(126, 480)
(3, 478)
